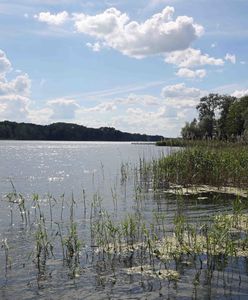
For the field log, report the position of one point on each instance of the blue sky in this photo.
(139, 66)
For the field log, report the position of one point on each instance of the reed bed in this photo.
(214, 166)
(180, 142)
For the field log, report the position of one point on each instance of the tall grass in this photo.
(179, 142)
(227, 166)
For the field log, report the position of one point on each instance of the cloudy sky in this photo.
(139, 66)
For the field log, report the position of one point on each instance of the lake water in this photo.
(90, 173)
(58, 167)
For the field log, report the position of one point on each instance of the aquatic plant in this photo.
(43, 247)
(8, 260)
(213, 166)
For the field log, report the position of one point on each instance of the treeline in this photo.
(220, 117)
(67, 132)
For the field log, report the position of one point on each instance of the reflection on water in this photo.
(58, 167)
(85, 190)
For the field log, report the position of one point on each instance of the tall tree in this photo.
(225, 103)
(207, 109)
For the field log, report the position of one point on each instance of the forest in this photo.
(67, 132)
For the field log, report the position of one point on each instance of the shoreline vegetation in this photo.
(213, 150)
(207, 164)
(68, 132)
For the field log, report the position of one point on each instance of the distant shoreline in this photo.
(69, 132)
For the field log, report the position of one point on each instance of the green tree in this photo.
(237, 118)
(207, 109)
(225, 102)
(191, 131)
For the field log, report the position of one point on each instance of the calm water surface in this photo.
(59, 167)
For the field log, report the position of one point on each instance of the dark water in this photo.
(87, 171)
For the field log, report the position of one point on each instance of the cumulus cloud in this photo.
(180, 91)
(40, 116)
(240, 93)
(188, 73)
(19, 86)
(63, 109)
(14, 94)
(52, 19)
(161, 121)
(190, 57)
(182, 98)
(5, 65)
(231, 58)
(158, 34)
(14, 107)
(22, 84)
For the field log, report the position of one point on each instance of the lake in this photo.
(80, 185)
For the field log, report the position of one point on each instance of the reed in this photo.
(201, 166)
(43, 246)
(8, 260)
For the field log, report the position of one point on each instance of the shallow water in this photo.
(105, 174)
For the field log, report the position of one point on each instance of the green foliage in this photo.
(215, 166)
(67, 132)
(221, 117)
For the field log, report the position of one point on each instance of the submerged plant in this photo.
(5, 247)
(72, 244)
(43, 247)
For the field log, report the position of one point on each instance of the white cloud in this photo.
(63, 109)
(19, 86)
(162, 121)
(52, 19)
(22, 84)
(14, 94)
(157, 35)
(190, 57)
(231, 58)
(162, 112)
(133, 99)
(96, 47)
(176, 106)
(5, 65)
(102, 107)
(240, 93)
(181, 98)
(14, 107)
(40, 116)
(187, 73)
(180, 91)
